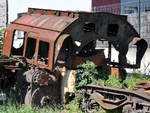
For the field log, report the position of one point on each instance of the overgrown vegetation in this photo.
(1, 37)
(88, 73)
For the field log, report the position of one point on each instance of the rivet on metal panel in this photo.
(45, 12)
(64, 14)
(50, 12)
(76, 15)
(39, 11)
(57, 13)
(30, 11)
(42, 12)
(70, 14)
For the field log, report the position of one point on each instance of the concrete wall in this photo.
(2, 13)
(131, 58)
(145, 24)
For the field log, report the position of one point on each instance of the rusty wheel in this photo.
(44, 88)
(39, 98)
(21, 86)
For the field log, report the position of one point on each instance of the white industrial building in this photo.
(3, 13)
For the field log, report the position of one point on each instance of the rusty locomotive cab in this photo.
(47, 45)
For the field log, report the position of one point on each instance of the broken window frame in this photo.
(27, 45)
(22, 45)
(89, 27)
(43, 60)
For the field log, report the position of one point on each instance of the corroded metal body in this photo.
(54, 27)
(52, 43)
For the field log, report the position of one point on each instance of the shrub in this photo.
(133, 79)
(113, 81)
(86, 74)
(1, 37)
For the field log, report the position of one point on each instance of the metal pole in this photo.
(109, 51)
(139, 17)
(6, 12)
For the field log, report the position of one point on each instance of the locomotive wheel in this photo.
(21, 85)
(41, 90)
(39, 98)
(44, 89)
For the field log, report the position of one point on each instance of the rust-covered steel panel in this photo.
(48, 22)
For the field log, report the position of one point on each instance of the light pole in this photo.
(139, 17)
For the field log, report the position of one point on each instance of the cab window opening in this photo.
(18, 42)
(30, 48)
(43, 52)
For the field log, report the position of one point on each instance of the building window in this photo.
(18, 42)
(43, 52)
(30, 48)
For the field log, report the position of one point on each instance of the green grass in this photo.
(1, 37)
(13, 108)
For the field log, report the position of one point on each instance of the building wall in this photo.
(111, 6)
(120, 6)
(131, 6)
(2, 13)
(145, 24)
(104, 2)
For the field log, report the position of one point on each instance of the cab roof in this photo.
(43, 21)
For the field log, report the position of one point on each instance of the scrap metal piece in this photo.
(114, 98)
(113, 101)
(143, 84)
